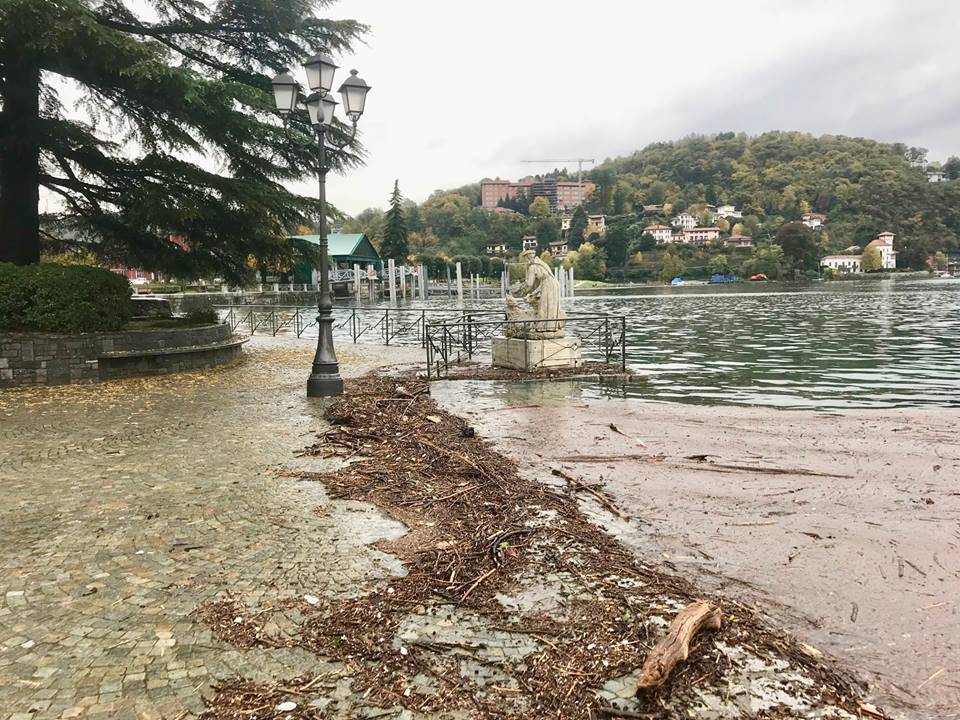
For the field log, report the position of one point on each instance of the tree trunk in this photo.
(20, 158)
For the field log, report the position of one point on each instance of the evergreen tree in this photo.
(578, 225)
(394, 244)
(617, 242)
(170, 90)
(799, 246)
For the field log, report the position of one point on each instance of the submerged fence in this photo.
(448, 336)
(391, 326)
(603, 338)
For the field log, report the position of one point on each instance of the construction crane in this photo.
(579, 162)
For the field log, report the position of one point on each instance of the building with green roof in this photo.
(345, 251)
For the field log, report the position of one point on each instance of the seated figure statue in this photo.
(544, 318)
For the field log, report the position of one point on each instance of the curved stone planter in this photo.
(55, 359)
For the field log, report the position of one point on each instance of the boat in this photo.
(759, 277)
(677, 281)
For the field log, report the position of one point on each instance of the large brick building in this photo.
(561, 194)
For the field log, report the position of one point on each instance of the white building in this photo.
(660, 233)
(558, 248)
(842, 263)
(814, 221)
(936, 175)
(729, 211)
(853, 263)
(529, 242)
(884, 243)
(596, 224)
(684, 221)
(565, 222)
(496, 249)
(700, 235)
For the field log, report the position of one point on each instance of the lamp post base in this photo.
(324, 385)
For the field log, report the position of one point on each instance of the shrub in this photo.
(62, 298)
(202, 316)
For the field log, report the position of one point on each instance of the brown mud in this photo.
(844, 527)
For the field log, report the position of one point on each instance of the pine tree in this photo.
(179, 133)
(394, 244)
(578, 225)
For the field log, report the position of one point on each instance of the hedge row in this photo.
(62, 299)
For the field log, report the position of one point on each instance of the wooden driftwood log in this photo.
(674, 647)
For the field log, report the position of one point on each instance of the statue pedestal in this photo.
(528, 355)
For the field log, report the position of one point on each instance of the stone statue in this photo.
(541, 291)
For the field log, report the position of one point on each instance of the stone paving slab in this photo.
(128, 504)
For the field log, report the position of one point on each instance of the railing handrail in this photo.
(529, 321)
(350, 308)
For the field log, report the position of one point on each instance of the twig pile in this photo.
(478, 528)
(264, 701)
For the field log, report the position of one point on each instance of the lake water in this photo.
(871, 343)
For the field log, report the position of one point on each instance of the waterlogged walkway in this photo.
(128, 504)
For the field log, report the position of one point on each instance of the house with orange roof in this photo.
(884, 243)
(853, 263)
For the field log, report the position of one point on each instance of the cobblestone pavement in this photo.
(127, 504)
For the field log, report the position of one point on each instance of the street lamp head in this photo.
(285, 91)
(315, 109)
(320, 70)
(354, 93)
(329, 107)
(321, 109)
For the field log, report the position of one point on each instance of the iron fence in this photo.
(602, 337)
(390, 326)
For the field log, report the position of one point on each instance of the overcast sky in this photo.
(467, 89)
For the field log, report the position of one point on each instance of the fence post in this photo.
(623, 344)
(570, 283)
(386, 324)
(469, 336)
(424, 283)
(449, 287)
(423, 327)
(391, 267)
(459, 283)
(606, 340)
(403, 282)
(356, 280)
(426, 342)
(353, 324)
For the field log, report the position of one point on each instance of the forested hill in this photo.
(861, 185)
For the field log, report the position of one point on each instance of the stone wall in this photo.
(56, 359)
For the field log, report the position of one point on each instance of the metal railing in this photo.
(387, 325)
(603, 338)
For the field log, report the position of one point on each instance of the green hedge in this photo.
(62, 299)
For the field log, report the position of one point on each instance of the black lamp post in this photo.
(324, 380)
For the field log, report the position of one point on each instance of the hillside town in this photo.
(699, 225)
